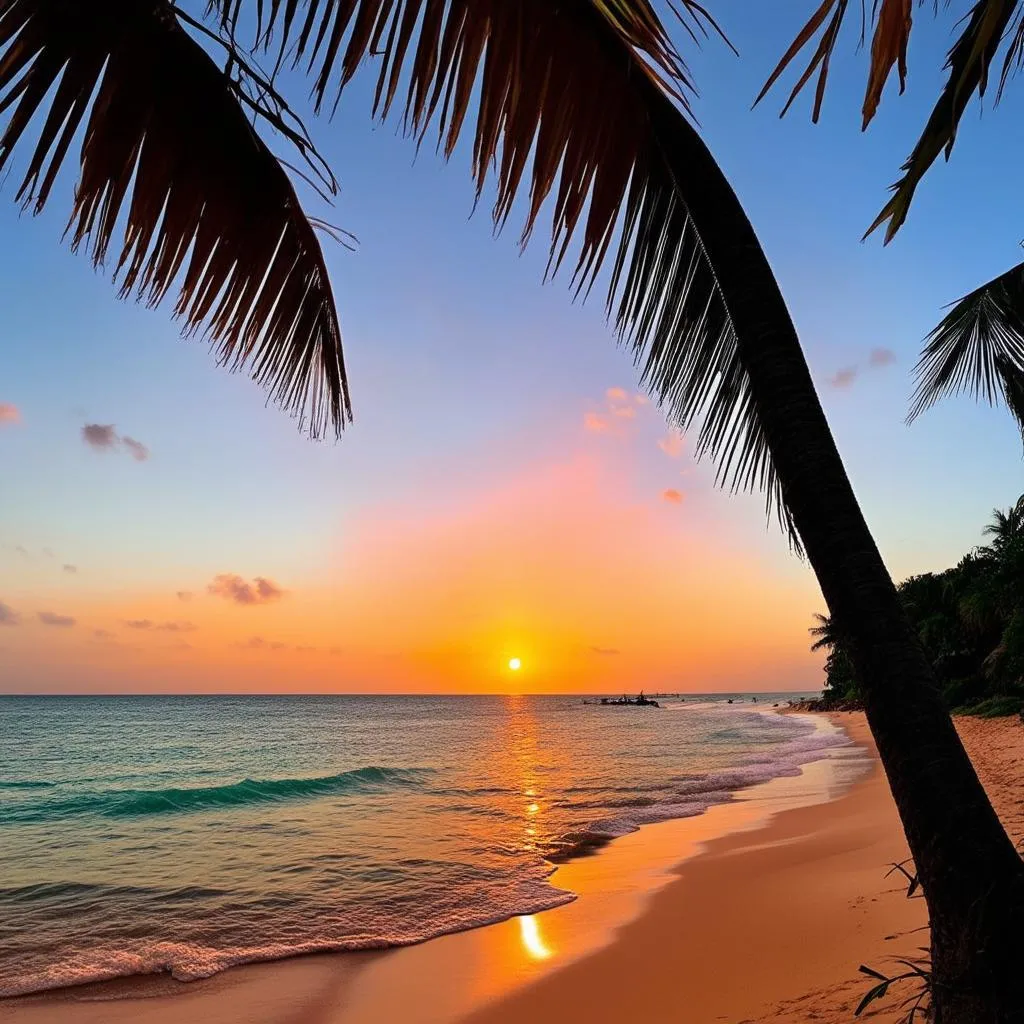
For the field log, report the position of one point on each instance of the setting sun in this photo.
(515, 664)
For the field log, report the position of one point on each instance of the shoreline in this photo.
(613, 886)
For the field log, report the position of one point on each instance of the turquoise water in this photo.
(188, 834)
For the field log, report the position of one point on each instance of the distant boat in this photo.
(628, 702)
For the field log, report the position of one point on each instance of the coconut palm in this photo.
(581, 105)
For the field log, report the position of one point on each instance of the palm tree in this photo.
(580, 102)
(826, 638)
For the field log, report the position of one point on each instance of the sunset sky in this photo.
(505, 489)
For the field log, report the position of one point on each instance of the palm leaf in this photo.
(892, 24)
(978, 347)
(169, 151)
(579, 106)
(968, 65)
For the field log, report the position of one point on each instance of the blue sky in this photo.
(465, 369)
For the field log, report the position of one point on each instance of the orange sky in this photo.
(595, 577)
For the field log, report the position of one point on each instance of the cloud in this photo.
(605, 651)
(843, 378)
(138, 451)
(232, 587)
(9, 413)
(163, 627)
(672, 445)
(70, 568)
(8, 616)
(184, 595)
(616, 395)
(672, 496)
(625, 412)
(257, 643)
(53, 619)
(102, 437)
(22, 550)
(596, 423)
(102, 634)
(882, 357)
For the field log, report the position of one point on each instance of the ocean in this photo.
(189, 834)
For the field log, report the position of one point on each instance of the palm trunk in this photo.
(972, 877)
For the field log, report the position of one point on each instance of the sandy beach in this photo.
(761, 909)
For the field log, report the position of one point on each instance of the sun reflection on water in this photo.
(533, 941)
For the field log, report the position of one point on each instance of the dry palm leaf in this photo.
(983, 31)
(577, 104)
(168, 150)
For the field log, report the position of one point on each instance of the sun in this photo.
(515, 664)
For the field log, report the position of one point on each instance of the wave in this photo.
(131, 803)
(26, 784)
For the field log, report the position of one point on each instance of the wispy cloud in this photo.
(8, 616)
(69, 568)
(232, 587)
(672, 496)
(102, 634)
(258, 643)
(184, 595)
(53, 619)
(672, 445)
(616, 395)
(9, 414)
(103, 437)
(844, 378)
(138, 451)
(162, 627)
(882, 357)
(605, 651)
(596, 423)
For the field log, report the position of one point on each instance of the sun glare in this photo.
(515, 664)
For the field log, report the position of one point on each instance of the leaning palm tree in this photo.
(583, 106)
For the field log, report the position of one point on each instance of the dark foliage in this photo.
(969, 620)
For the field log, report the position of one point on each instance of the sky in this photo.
(506, 489)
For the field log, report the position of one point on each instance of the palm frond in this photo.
(978, 347)
(984, 30)
(892, 19)
(580, 105)
(169, 151)
(968, 64)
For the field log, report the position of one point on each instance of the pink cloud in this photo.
(844, 378)
(8, 616)
(882, 357)
(672, 445)
(100, 436)
(138, 451)
(616, 395)
(672, 496)
(626, 412)
(232, 587)
(596, 423)
(9, 413)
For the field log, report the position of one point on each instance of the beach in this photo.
(759, 909)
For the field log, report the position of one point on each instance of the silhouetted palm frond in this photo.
(989, 25)
(581, 103)
(978, 347)
(169, 151)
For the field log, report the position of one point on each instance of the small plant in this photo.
(918, 1003)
